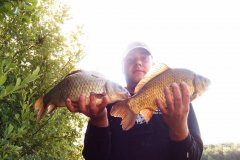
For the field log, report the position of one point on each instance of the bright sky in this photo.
(203, 36)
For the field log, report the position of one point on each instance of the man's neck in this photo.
(131, 87)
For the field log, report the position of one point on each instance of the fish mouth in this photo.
(119, 97)
(124, 95)
(127, 95)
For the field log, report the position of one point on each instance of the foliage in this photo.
(9, 94)
(12, 7)
(34, 55)
(5, 67)
(32, 37)
(221, 152)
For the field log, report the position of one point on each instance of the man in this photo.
(171, 134)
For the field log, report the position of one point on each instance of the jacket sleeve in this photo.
(96, 143)
(192, 147)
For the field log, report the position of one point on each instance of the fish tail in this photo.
(39, 106)
(39, 103)
(121, 109)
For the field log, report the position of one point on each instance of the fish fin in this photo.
(39, 106)
(51, 108)
(147, 114)
(194, 96)
(96, 74)
(73, 72)
(122, 110)
(157, 69)
(129, 121)
(39, 103)
(41, 112)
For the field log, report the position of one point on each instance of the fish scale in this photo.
(152, 87)
(76, 84)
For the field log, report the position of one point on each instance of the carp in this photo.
(151, 87)
(80, 83)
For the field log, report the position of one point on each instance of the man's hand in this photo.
(175, 114)
(96, 113)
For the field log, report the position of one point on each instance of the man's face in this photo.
(136, 64)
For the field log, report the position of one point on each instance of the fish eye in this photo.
(120, 88)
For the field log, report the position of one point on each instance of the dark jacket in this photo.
(142, 142)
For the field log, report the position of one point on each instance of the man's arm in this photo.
(190, 148)
(97, 137)
(183, 128)
(96, 143)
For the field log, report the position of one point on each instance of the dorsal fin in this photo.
(96, 74)
(156, 70)
(91, 73)
(73, 72)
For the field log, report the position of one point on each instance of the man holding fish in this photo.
(167, 129)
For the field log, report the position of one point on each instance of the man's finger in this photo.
(185, 94)
(104, 103)
(70, 106)
(82, 104)
(177, 96)
(161, 106)
(92, 103)
(169, 99)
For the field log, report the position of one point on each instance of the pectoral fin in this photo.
(41, 113)
(147, 114)
(51, 108)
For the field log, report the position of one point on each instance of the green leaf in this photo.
(31, 77)
(9, 89)
(7, 6)
(33, 2)
(6, 66)
(3, 79)
(9, 129)
(36, 71)
(18, 82)
(18, 148)
(26, 19)
(17, 116)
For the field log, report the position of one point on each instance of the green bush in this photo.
(221, 152)
(34, 56)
